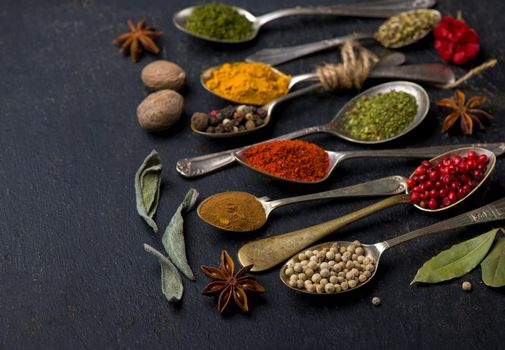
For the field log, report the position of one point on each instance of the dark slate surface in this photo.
(72, 269)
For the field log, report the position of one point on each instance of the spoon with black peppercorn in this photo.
(239, 209)
(268, 252)
(375, 9)
(389, 35)
(371, 254)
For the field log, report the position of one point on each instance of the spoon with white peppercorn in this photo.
(345, 266)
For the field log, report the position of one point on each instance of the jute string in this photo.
(351, 73)
(357, 62)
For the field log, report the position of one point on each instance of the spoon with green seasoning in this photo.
(230, 24)
(428, 73)
(361, 273)
(244, 212)
(398, 31)
(268, 252)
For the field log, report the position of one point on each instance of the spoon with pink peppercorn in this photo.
(435, 185)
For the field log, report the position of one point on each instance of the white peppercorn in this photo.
(338, 288)
(329, 288)
(333, 279)
(466, 286)
(300, 284)
(289, 271)
(311, 288)
(330, 255)
(319, 289)
(316, 278)
(376, 301)
(352, 283)
(360, 251)
(325, 273)
(324, 266)
(362, 278)
(302, 276)
(309, 272)
(302, 256)
(344, 285)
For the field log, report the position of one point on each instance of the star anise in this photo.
(137, 38)
(230, 284)
(466, 111)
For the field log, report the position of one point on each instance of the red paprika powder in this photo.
(291, 159)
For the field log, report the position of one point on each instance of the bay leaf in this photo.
(173, 238)
(456, 261)
(171, 281)
(147, 188)
(493, 266)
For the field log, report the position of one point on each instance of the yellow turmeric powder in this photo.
(248, 82)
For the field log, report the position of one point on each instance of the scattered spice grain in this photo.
(290, 159)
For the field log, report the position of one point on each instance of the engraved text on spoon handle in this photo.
(492, 212)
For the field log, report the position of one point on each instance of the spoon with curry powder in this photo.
(243, 212)
(268, 252)
(375, 9)
(398, 31)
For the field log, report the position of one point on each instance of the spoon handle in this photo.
(373, 9)
(422, 152)
(434, 73)
(285, 54)
(268, 252)
(386, 186)
(202, 165)
(492, 212)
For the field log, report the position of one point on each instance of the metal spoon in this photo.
(284, 54)
(429, 73)
(492, 212)
(381, 187)
(268, 252)
(376, 9)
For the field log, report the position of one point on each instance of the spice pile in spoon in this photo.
(290, 159)
(441, 184)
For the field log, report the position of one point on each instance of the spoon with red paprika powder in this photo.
(459, 166)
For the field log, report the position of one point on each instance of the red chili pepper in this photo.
(290, 159)
(455, 41)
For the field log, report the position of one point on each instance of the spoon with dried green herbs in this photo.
(436, 185)
(398, 31)
(222, 23)
(341, 266)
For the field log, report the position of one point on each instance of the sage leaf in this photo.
(171, 281)
(173, 238)
(493, 266)
(456, 261)
(147, 188)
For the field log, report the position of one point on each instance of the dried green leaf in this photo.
(147, 188)
(493, 266)
(457, 260)
(173, 238)
(171, 281)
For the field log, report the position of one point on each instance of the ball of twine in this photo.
(351, 73)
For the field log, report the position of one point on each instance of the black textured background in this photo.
(73, 274)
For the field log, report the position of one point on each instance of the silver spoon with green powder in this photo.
(243, 26)
(398, 31)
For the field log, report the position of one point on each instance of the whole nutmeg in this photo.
(161, 74)
(160, 110)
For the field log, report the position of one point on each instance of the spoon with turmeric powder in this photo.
(254, 83)
(243, 212)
